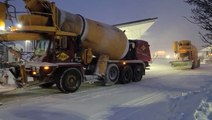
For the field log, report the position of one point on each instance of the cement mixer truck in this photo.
(68, 47)
(186, 54)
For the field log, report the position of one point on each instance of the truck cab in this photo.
(139, 50)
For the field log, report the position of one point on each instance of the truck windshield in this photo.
(41, 47)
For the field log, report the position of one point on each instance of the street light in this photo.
(19, 25)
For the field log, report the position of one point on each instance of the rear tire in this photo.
(193, 65)
(198, 64)
(126, 75)
(138, 73)
(112, 75)
(70, 80)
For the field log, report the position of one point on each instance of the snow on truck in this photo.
(69, 47)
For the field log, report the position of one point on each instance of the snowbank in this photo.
(195, 105)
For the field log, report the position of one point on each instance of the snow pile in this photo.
(192, 105)
(204, 112)
(7, 88)
(1, 86)
(7, 84)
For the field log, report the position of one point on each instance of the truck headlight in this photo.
(34, 73)
(46, 69)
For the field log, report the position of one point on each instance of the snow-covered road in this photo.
(163, 94)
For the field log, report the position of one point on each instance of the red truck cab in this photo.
(139, 50)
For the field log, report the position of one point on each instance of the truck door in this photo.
(142, 51)
(64, 49)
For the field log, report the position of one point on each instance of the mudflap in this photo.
(181, 64)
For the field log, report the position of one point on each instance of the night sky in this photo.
(169, 27)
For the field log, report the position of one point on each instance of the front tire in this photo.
(70, 80)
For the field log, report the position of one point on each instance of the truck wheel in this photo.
(70, 80)
(46, 85)
(198, 64)
(126, 75)
(112, 74)
(193, 65)
(137, 73)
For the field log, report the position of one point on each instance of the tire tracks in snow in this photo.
(123, 111)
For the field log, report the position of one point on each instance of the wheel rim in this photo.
(138, 73)
(113, 74)
(126, 75)
(72, 82)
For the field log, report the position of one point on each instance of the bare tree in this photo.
(202, 15)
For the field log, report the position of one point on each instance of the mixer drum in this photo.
(101, 38)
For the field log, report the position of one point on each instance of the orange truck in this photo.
(186, 55)
(68, 47)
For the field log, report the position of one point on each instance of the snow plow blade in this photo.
(181, 64)
(4, 89)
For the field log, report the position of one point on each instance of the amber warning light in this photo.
(46, 68)
(34, 73)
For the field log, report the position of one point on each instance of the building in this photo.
(205, 55)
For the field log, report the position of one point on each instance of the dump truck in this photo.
(186, 55)
(68, 47)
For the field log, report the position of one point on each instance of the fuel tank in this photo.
(100, 37)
